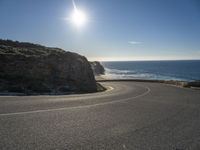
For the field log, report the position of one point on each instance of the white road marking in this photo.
(78, 107)
(109, 88)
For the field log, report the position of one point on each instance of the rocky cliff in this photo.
(35, 69)
(97, 68)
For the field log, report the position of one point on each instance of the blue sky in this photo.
(116, 29)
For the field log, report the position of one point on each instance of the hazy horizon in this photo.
(129, 30)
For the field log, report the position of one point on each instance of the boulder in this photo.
(34, 69)
(97, 68)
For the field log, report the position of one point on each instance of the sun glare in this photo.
(78, 18)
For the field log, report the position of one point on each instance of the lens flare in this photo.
(78, 17)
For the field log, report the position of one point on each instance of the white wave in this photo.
(132, 74)
(116, 71)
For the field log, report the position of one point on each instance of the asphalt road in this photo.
(130, 115)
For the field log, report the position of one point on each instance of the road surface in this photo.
(128, 116)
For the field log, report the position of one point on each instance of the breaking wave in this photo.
(133, 74)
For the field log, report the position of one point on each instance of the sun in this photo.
(78, 18)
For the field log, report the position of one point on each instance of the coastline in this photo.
(153, 70)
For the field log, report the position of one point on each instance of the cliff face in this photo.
(29, 68)
(97, 68)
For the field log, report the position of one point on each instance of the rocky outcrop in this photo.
(97, 68)
(35, 69)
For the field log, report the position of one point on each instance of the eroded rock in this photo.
(29, 68)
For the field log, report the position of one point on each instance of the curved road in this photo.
(129, 115)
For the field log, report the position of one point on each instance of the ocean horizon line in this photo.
(146, 60)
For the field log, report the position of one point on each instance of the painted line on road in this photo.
(109, 88)
(78, 107)
(70, 97)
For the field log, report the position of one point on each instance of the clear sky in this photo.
(116, 29)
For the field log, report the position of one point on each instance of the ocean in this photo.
(187, 70)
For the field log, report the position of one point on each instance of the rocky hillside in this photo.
(35, 69)
(97, 68)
